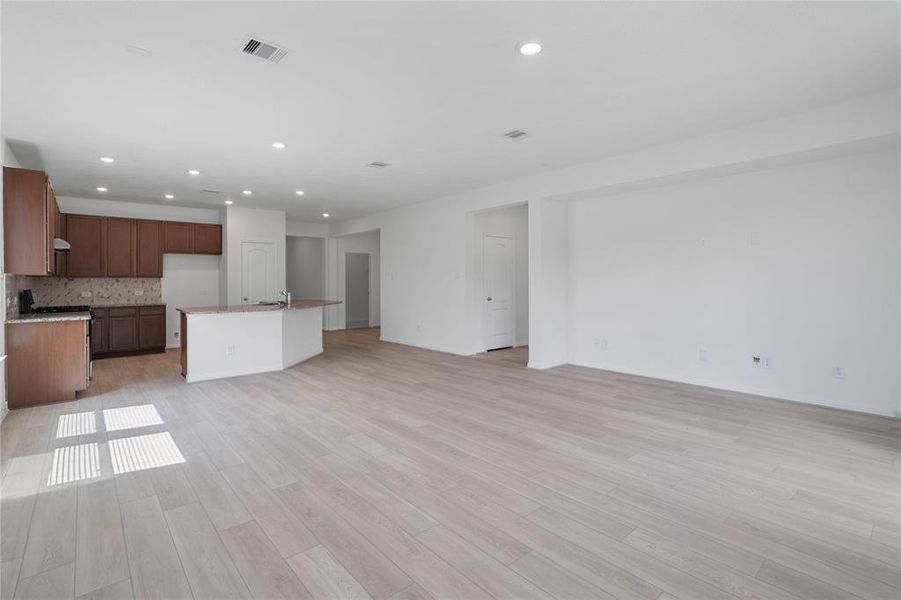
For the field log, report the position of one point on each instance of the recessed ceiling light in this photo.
(325, 215)
(101, 189)
(229, 202)
(299, 192)
(529, 48)
(170, 197)
(193, 172)
(278, 145)
(107, 159)
(247, 192)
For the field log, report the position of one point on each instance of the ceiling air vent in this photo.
(270, 52)
(516, 134)
(378, 164)
(207, 191)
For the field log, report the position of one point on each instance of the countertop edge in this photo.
(49, 318)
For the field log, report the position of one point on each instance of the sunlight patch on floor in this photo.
(131, 417)
(83, 423)
(144, 452)
(74, 463)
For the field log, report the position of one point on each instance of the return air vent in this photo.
(516, 134)
(206, 191)
(264, 50)
(378, 164)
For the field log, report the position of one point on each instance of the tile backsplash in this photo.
(15, 284)
(96, 291)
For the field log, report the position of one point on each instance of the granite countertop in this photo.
(50, 317)
(123, 304)
(241, 308)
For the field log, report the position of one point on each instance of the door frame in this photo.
(484, 290)
(368, 282)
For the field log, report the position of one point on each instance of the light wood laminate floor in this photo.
(383, 471)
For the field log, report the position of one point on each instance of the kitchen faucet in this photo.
(287, 301)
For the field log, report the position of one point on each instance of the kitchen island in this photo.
(227, 341)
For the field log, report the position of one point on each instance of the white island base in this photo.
(232, 342)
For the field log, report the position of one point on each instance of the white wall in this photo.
(137, 210)
(512, 222)
(305, 266)
(305, 229)
(548, 277)
(188, 280)
(250, 225)
(798, 264)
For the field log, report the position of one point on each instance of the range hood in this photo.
(61, 245)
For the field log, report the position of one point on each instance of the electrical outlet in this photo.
(230, 350)
(139, 292)
(419, 328)
(761, 362)
(838, 372)
(86, 294)
(702, 354)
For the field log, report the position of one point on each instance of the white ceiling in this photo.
(427, 87)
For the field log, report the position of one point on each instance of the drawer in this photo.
(153, 310)
(123, 312)
(100, 313)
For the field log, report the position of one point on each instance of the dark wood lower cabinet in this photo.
(124, 330)
(46, 362)
(100, 332)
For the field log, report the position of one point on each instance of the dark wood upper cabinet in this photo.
(207, 238)
(179, 237)
(87, 235)
(28, 206)
(120, 247)
(149, 261)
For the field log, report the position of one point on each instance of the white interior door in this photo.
(257, 272)
(499, 289)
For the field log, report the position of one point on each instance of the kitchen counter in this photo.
(242, 308)
(226, 341)
(50, 317)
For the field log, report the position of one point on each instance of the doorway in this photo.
(356, 289)
(258, 279)
(499, 249)
(305, 267)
